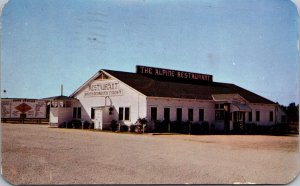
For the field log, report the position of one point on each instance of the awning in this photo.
(240, 107)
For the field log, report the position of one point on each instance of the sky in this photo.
(250, 43)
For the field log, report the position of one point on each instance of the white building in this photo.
(164, 94)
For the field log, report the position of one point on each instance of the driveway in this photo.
(37, 154)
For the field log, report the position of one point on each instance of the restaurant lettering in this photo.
(103, 89)
(173, 73)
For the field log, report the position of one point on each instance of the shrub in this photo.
(279, 129)
(123, 128)
(113, 125)
(62, 125)
(86, 125)
(75, 123)
(251, 128)
(91, 126)
(132, 128)
(175, 126)
(205, 127)
(141, 123)
(196, 128)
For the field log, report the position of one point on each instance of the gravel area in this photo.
(37, 154)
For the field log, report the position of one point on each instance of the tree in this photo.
(292, 112)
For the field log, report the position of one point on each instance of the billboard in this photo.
(26, 108)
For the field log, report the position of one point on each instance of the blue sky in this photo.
(251, 43)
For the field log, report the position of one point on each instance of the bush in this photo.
(205, 127)
(175, 126)
(75, 124)
(279, 129)
(123, 128)
(132, 128)
(86, 125)
(113, 125)
(261, 129)
(160, 126)
(251, 128)
(91, 126)
(62, 125)
(141, 123)
(196, 128)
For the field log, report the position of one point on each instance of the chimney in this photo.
(61, 89)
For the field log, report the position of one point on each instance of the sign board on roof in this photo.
(103, 89)
(152, 71)
(13, 108)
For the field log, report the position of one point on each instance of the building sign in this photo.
(103, 88)
(173, 73)
(30, 108)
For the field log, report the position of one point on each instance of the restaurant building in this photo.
(164, 94)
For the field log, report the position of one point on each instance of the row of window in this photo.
(153, 112)
(219, 115)
(257, 116)
(124, 114)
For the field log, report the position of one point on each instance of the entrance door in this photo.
(98, 119)
(238, 120)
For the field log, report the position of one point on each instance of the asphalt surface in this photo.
(37, 154)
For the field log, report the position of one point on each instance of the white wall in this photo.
(53, 117)
(65, 114)
(185, 104)
(129, 98)
(209, 110)
(264, 114)
(59, 115)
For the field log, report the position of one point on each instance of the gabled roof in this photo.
(153, 87)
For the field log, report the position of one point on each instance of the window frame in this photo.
(92, 113)
(169, 114)
(250, 116)
(271, 116)
(153, 115)
(257, 116)
(178, 114)
(121, 116)
(201, 114)
(190, 114)
(76, 112)
(219, 112)
(126, 113)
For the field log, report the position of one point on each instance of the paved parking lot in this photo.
(37, 154)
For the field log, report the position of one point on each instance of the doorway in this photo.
(98, 119)
(238, 121)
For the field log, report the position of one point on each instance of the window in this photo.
(191, 115)
(74, 112)
(127, 113)
(92, 113)
(201, 114)
(179, 114)
(250, 116)
(77, 112)
(219, 111)
(153, 113)
(123, 116)
(121, 112)
(167, 114)
(257, 116)
(271, 115)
